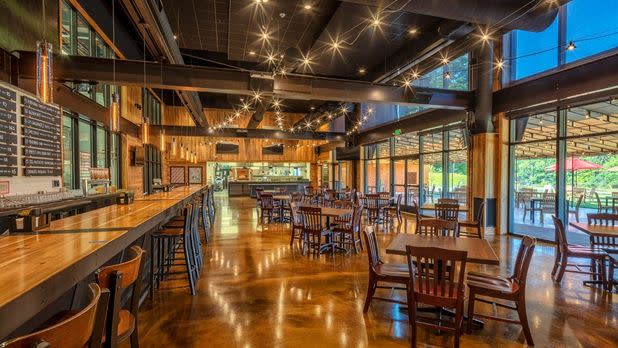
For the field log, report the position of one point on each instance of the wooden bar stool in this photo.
(166, 242)
(121, 324)
(83, 329)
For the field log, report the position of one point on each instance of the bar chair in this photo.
(83, 329)
(512, 288)
(382, 272)
(121, 324)
(438, 227)
(565, 250)
(437, 279)
(313, 231)
(476, 224)
(166, 242)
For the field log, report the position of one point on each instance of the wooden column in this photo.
(485, 169)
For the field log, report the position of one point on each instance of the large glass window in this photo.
(114, 152)
(67, 159)
(85, 149)
(101, 148)
(68, 25)
(432, 176)
(453, 75)
(591, 37)
(584, 28)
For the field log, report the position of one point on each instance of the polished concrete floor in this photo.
(257, 291)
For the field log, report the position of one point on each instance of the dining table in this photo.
(596, 232)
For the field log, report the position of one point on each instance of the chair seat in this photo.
(175, 224)
(169, 232)
(468, 223)
(126, 325)
(398, 271)
(585, 251)
(490, 283)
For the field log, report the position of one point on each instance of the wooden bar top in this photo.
(479, 250)
(37, 268)
(177, 193)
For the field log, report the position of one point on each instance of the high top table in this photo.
(38, 268)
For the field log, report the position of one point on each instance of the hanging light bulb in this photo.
(114, 113)
(182, 151)
(44, 76)
(162, 140)
(174, 147)
(145, 131)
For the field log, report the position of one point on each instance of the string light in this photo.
(571, 46)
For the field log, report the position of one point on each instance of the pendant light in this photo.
(114, 109)
(145, 131)
(44, 74)
(174, 147)
(162, 135)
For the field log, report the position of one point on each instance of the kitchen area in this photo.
(241, 179)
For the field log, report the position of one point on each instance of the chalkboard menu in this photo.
(30, 135)
(8, 132)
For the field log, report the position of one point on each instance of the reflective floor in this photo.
(257, 291)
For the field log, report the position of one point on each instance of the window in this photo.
(591, 25)
(453, 75)
(152, 166)
(85, 149)
(534, 52)
(151, 107)
(114, 152)
(101, 148)
(68, 154)
(68, 25)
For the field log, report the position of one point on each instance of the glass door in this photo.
(399, 177)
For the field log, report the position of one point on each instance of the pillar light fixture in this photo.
(44, 74)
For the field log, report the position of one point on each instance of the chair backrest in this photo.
(296, 217)
(373, 251)
(603, 219)
(522, 262)
(372, 201)
(580, 199)
(312, 219)
(448, 201)
(438, 227)
(480, 213)
(447, 211)
(549, 201)
(79, 330)
(309, 191)
(267, 200)
(561, 237)
(436, 275)
(296, 197)
(357, 217)
(258, 193)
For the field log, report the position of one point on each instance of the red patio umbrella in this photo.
(574, 164)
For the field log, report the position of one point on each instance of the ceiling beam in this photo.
(257, 117)
(245, 133)
(204, 79)
(563, 88)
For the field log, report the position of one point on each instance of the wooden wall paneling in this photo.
(129, 98)
(133, 176)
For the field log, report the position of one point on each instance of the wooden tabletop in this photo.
(479, 250)
(177, 193)
(330, 212)
(38, 268)
(281, 197)
(432, 206)
(596, 230)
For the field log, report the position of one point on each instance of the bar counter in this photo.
(247, 188)
(38, 268)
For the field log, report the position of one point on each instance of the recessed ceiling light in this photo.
(252, 53)
(362, 71)
(175, 37)
(412, 31)
(308, 7)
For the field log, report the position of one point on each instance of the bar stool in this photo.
(166, 242)
(121, 323)
(83, 329)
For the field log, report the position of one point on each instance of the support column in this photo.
(485, 165)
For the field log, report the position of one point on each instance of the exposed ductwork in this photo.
(154, 26)
(528, 15)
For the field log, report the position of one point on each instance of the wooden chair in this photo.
(512, 288)
(313, 231)
(390, 212)
(448, 201)
(576, 210)
(83, 329)
(476, 224)
(372, 205)
(379, 271)
(267, 209)
(438, 227)
(606, 243)
(297, 225)
(565, 250)
(121, 324)
(447, 211)
(329, 197)
(601, 208)
(204, 213)
(258, 197)
(349, 233)
(548, 205)
(528, 204)
(436, 279)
